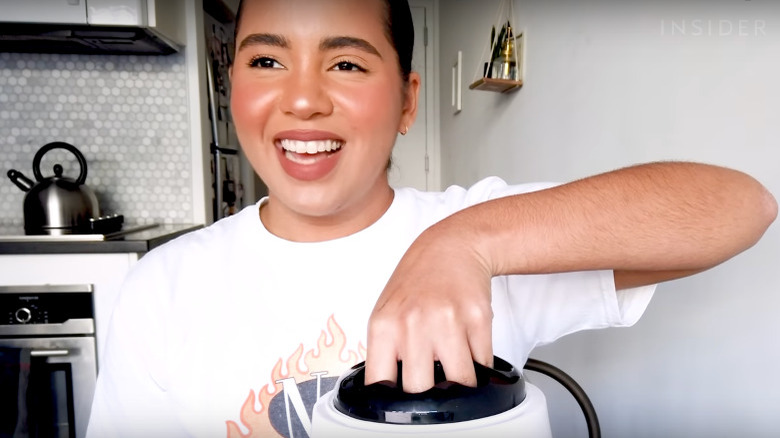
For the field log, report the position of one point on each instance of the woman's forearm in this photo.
(663, 217)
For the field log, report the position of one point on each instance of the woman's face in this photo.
(317, 100)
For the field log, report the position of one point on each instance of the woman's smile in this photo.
(308, 155)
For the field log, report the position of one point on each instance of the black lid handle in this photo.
(60, 145)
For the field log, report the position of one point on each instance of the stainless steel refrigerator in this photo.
(234, 183)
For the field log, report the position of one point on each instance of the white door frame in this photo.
(432, 91)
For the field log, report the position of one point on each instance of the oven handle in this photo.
(49, 353)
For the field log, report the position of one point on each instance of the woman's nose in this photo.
(305, 96)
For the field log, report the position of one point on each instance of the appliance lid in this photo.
(83, 39)
(498, 390)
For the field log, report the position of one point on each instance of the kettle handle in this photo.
(20, 180)
(60, 145)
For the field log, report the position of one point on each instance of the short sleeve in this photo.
(533, 310)
(632, 303)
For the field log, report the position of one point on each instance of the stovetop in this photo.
(13, 233)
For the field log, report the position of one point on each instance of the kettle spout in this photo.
(20, 180)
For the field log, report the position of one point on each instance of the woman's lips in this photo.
(308, 155)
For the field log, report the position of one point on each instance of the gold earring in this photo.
(405, 130)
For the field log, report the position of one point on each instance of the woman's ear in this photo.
(411, 96)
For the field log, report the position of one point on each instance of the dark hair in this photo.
(399, 30)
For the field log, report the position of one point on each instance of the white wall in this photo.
(612, 83)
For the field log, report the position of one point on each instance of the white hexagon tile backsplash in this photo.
(128, 115)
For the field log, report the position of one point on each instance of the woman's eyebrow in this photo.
(267, 39)
(339, 42)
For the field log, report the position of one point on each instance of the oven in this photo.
(48, 362)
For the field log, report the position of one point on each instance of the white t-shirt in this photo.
(226, 330)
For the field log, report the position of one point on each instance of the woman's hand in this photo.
(436, 306)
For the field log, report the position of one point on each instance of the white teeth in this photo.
(310, 147)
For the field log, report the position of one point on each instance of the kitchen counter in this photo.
(102, 261)
(136, 242)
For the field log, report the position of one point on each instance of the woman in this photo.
(321, 88)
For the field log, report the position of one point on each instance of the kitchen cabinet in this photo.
(163, 17)
(44, 11)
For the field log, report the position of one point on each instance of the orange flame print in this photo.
(332, 357)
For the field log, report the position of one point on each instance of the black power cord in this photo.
(594, 430)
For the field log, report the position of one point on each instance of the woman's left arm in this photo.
(647, 223)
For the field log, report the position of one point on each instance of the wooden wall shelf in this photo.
(497, 85)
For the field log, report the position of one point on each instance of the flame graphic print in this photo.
(275, 416)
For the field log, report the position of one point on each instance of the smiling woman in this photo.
(321, 88)
(335, 84)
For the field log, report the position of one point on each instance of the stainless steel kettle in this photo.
(56, 204)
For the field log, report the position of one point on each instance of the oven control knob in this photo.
(23, 315)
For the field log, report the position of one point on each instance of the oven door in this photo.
(46, 386)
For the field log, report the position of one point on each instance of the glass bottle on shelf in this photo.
(505, 65)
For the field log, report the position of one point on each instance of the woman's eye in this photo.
(264, 62)
(348, 66)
